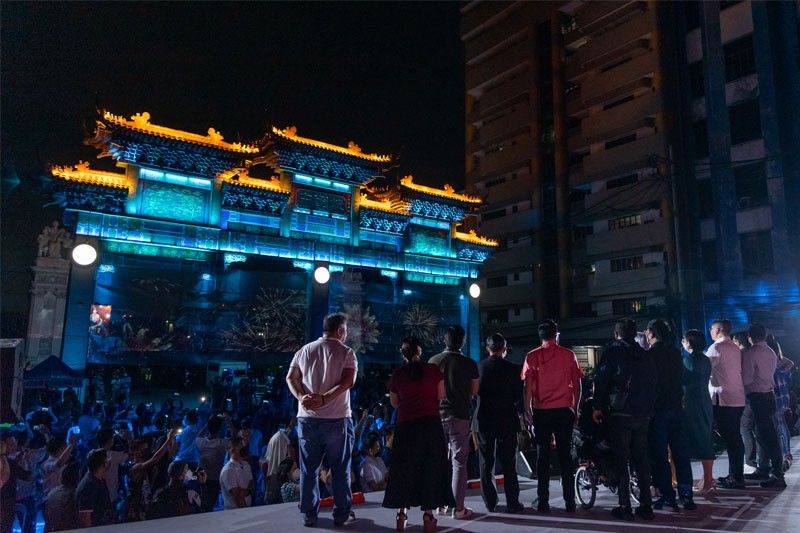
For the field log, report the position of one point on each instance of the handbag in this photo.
(619, 399)
(524, 437)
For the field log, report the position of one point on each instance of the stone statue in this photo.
(52, 240)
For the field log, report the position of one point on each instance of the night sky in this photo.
(389, 76)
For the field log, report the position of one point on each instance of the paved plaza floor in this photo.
(752, 510)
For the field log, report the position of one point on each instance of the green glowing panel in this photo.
(431, 278)
(428, 241)
(137, 248)
(171, 202)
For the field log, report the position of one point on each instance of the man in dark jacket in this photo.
(625, 388)
(500, 399)
(666, 428)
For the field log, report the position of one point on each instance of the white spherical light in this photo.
(322, 275)
(474, 290)
(84, 254)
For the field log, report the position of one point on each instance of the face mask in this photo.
(187, 476)
(296, 474)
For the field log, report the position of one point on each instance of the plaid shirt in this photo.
(782, 379)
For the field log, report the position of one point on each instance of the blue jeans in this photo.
(666, 430)
(332, 439)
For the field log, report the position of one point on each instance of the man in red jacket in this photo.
(552, 394)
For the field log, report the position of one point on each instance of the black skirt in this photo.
(420, 472)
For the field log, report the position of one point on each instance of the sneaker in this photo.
(730, 483)
(689, 504)
(645, 511)
(570, 507)
(622, 513)
(515, 509)
(491, 509)
(310, 521)
(351, 519)
(462, 514)
(664, 502)
(758, 475)
(749, 468)
(543, 507)
(774, 483)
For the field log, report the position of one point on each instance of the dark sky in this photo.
(386, 75)
(389, 76)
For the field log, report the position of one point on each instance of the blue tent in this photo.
(54, 373)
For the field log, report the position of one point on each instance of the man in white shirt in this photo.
(105, 438)
(321, 375)
(58, 454)
(728, 398)
(373, 469)
(212, 450)
(236, 479)
(758, 371)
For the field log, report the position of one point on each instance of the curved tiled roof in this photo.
(352, 149)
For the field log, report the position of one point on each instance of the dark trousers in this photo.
(666, 432)
(729, 423)
(505, 446)
(629, 443)
(546, 424)
(763, 405)
(210, 495)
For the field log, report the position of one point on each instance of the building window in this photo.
(497, 316)
(745, 122)
(497, 181)
(696, 79)
(692, 15)
(627, 306)
(491, 215)
(756, 253)
(705, 197)
(516, 311)
(751, 185)
(498, 281)
(740, 60)
(514, 208)
(516, 276)
(579, 233)
(627, 263)
(710, 272)
(624, 222)
(615, 103)
(621, 182)
(700, 130)
(622, 140)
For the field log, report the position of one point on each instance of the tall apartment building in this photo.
(585, 132)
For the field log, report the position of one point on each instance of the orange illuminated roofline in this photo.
(239, 176)
(446, 192)
(141, 122)
(400, 208)
(81, 173)
(474, 238)
(352, 148)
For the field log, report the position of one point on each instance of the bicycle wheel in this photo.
(585, 487)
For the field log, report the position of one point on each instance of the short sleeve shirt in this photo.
(234, 474)
(555, 369)
(459, 371)
(321, 364)
(418, 398)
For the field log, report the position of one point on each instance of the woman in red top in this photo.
(420, 471)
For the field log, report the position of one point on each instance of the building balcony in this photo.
(506, 91)
(519, 118)
(619, 80)
(593, 16)
(622, 159)
(514, 58)
(643, 236)
(648, 279)
(631, 34)
(510, 295)
(748, 220)
(481, 16)
(506, 158)
(574, 103)
(509, 259)
(643, 194)
(511, 222)
(621, 119)
(497, 35)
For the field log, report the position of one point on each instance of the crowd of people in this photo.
(417, 433)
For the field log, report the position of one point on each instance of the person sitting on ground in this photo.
(373, 469)
(60, 504)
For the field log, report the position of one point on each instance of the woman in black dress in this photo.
(419, 475)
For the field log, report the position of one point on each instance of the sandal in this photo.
(428, 522)
(402, 520)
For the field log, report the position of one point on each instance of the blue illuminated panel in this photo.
(237, 220)
(320, 225)
(173, 202)
(176, 179)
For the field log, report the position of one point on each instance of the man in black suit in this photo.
(499, 398)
